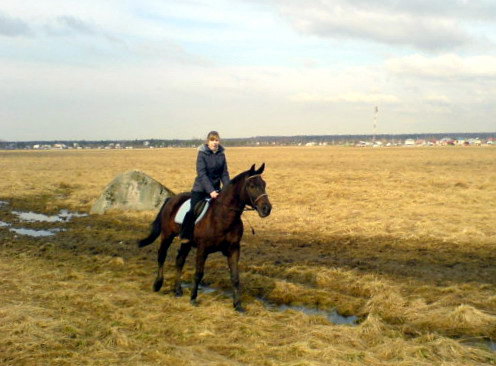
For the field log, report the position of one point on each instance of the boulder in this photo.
(132, 190)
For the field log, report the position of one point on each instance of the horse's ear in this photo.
(261, 169)
(252, 170)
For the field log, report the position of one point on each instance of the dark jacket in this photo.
(211, 170)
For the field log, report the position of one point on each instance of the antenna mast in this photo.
(376, 111)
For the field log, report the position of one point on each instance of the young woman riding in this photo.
(211, 171)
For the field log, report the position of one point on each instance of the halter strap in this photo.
(253, 202)
(256, 199)
(253, 176)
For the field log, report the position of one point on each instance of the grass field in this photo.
(403, 238)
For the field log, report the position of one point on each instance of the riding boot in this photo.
(188, 226)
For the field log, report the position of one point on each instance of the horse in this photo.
(221, 229)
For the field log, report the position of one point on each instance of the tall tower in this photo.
(376, 111)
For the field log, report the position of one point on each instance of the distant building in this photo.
(447, 141)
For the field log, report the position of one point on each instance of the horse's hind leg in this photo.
(162, 254)
(182, 254)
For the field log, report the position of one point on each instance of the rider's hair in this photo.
(213, 135)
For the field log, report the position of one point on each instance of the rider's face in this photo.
(213, 144)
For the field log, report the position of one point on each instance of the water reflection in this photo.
(480, 343)
(331, 315)
(34, 233)
(62, 216)
(202, 288)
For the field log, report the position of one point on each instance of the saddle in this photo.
(200, 210)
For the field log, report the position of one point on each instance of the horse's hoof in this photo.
(239, 308)
(195, 302)
(157, 285)
(178, 292)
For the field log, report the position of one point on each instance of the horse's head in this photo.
(255, 190)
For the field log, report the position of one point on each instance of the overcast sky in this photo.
(129, 69)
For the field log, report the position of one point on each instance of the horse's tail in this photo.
(156, 228)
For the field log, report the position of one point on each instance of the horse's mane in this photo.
(239, 177)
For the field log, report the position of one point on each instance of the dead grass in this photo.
(403, 238)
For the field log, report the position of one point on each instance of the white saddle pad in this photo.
(185, 208)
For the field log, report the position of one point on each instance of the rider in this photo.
(211, 170)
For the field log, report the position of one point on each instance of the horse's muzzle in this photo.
(264, 209)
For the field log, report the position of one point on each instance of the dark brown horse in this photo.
(220, 229)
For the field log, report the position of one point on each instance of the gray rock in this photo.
(132, 190)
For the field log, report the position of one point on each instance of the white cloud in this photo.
(425, 25)
(347, 98)
(437, 98)
(448, 66)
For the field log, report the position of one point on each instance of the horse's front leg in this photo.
(182, 254)
(201, 257)
(232, 261)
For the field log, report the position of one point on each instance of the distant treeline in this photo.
(249, 141)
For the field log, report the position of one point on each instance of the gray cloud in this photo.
(68, 24)
(427, 25)
(75, 24)
(13, 27)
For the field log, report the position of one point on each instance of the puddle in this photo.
(331, 315)
(34, 233)
(31, 232)
(67, 215)
(492, 345)
(63, 216)
(32, 217)
(202, 289)
(489, 343)
(480, 343)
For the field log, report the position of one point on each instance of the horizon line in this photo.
(255, 137)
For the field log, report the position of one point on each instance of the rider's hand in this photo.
(214, 194)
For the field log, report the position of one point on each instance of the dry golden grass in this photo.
(405, 238)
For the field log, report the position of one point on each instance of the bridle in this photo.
(252, 201)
